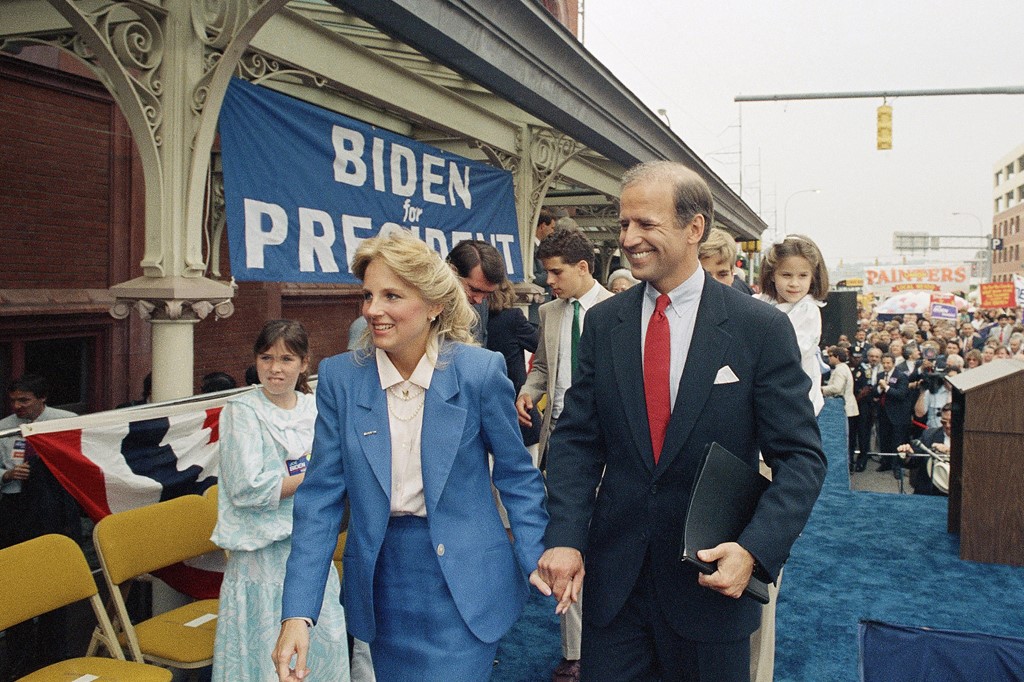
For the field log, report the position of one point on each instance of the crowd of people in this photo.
(893, 376)
(462, 475)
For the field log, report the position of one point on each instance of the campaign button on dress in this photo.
(440, 550)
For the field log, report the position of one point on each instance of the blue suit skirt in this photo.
(420, 633)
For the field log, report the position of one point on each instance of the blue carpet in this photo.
(876, 556)
(863, 556)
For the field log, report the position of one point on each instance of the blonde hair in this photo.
(795, 245)
(719, 244)
(422, 269)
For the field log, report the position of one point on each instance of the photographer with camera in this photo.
(934, 389)
(930, 475)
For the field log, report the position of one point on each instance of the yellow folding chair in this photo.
(138, 541)
(46, 573)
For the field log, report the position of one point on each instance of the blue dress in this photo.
(255, 525)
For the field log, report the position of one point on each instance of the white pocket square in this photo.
(726, 376)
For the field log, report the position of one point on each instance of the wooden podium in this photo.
(986, 482)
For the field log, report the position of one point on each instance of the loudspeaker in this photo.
(839, 316)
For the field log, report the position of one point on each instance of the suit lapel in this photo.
(703, 360)
(372, 423)
(627, 363)
(552, 332)
(443, 423)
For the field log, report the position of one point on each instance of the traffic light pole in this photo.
(884, 94)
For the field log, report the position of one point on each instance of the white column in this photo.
(172, 358)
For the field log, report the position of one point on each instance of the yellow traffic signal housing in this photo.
(885, 127)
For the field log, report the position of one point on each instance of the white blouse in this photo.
(405, 418)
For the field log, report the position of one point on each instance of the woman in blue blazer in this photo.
(404, 429)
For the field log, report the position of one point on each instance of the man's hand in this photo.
(524, 404)
(294, 639)
(561, 568)
(735, 566)
(905, 449)
(18, 473)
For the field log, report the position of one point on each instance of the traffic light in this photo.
(741, 262)
(885, 127)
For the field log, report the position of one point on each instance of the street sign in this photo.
(997, 243)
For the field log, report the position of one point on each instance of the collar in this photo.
(588, 299)
(683, 295)
(389, 375)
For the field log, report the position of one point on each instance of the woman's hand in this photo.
(293, 640)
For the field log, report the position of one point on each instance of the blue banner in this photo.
(303, 187)
(899, 652)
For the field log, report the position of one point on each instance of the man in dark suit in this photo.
(482, 270)
(730, 365)
(867, 403)
(895, 405)
(545, 226)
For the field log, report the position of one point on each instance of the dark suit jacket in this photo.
(510, 334)
(899, 401)
(639, 509)
(918, 466)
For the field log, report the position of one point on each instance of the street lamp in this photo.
(981, 226)
(986, 262)
(664, 114)
(785, 207)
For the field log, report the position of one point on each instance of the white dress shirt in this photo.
(405, 419)
(564, 378)
(682, 315)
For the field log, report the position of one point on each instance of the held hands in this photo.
(294, 639)
(561, 568)
(735, 566)
(524, 404)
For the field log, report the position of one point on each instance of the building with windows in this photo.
(1007, 208)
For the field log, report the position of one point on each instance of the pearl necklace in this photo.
(405, 395)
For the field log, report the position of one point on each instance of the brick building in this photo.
(1008, 207)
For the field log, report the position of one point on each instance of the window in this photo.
(68, 364)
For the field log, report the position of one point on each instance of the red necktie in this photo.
(657, 359)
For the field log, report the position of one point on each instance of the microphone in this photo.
(921, 447)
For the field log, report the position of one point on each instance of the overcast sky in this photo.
(693, 58)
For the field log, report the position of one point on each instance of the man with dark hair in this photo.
(33, 503)
(665, 369)
(568, 258)
(895, 406)
(20, 465)
(931, 477)
(481, 269)
(217, 381)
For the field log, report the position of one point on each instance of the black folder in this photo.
(725, 495)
